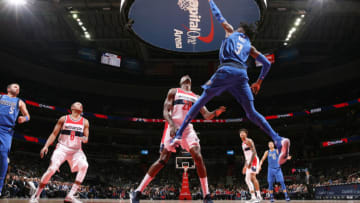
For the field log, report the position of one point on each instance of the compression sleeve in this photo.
(216, 12)
(266, 66)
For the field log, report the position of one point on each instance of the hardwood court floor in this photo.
(172, 201)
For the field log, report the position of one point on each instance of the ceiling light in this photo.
(17, 2)
(74, 15)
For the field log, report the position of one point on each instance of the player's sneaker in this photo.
(71, 199)
(287, 199)
(135, 197)
(283, 147)
(272, 200)
(33, 199)
(253, 200)
(207, 199)
(259, 197)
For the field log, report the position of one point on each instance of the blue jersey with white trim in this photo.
(273, 159)
(235, 47)
(9, 111)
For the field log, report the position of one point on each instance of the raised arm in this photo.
(264, 71)
(216, 12)
(52, 136)
(168, 105)
(25, 113)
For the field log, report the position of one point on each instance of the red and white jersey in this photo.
(248, 153)
(71, 132)
(182, 104)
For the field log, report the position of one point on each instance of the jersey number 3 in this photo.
(239, 47)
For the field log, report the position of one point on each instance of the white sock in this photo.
(253, 195)
(74, 189)
(147, 179)
(258, 193)
(204, 186)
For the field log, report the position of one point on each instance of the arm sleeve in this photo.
(266, 66)
(216, 12)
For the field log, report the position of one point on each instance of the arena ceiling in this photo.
(326, 25)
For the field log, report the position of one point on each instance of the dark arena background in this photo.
(119, 58)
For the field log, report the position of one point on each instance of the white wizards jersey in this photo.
(248, 153)
(71, 132)
(182, 104)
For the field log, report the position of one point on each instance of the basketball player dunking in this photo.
(251, 166)
(177, 104)
(74, 130)
(232, 76)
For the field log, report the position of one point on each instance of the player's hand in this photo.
(173, 130)
(249, 166)
(43, 152)
(244, 170)
(220, 110)
(289, 158)
(259, 169)
(21, 119)
(84, 139)
(255, 88)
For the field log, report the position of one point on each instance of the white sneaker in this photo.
(72, 199)
(33, 199)
(259, 198)
(253, 200)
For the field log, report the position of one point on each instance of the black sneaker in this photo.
(207, 199)
(135, 197)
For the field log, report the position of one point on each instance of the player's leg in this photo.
(79, 164)
(250, 184)
(153, 170)
(242, 92)
(3, 168)
(58, 157)
(256, 185)
(191, 143)
(280, 178)
(271, 180)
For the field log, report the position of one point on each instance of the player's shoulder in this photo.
(173, 90)
(86, 121)
(62, 118)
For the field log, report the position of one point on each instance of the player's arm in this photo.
(250, 143)
(210, 115)
(85, 139)
(168, 105)
(25, 113)
(255, 87)
(264, 157)
(52, 136)
(219, 17)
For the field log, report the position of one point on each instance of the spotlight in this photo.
(285, 43)
(302, 16)
(17, 2)
(75, 16)
(87, 35)
(297, 22)
(83, 28)
(80, 23)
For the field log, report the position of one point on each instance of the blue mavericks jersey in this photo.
(235, 48)
(273, 159)
(9, 111)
